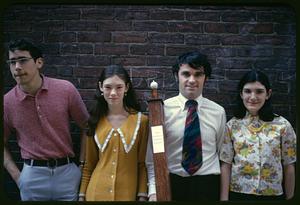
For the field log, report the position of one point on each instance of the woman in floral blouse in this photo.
(116, 145)
(259, 149)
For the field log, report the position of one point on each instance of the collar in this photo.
(250, 118)
(21, 95)
(127, 147)
(182, 100)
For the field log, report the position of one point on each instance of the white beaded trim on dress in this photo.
(126, 147)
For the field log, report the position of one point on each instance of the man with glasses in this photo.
(38, 111)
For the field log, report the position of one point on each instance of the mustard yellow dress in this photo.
(115, 167)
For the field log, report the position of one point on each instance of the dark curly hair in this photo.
(26, 45)
(195, 60)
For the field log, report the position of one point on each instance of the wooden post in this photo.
(156, 121)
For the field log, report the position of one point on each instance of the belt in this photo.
(52, 163)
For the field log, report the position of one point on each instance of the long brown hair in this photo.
(100, 108)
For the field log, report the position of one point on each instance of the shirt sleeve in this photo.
(150, 167)
(77, 108)
(6, 125)
(288, 144)
(221, 131)
(226, 151)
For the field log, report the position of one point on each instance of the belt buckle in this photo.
(52, 163)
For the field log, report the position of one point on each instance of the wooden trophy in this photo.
(156, 122)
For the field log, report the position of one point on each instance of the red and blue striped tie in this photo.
(192, 144)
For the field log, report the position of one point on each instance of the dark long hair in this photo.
(100, 108)
(266, 111)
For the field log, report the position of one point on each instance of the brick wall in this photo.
(79, 40)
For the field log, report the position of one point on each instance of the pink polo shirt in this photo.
(42, 122)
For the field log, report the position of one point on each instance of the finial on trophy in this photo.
(154, 86)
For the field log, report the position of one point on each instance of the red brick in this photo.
(183, 26)
(159, 26)
(202, 16)
(202, 39)
(166, 38)
(111, 49)
(94, 36)
(220, 28)
(60, 37)
(129, 37)
(238, 17)
(129, 61)
(97, 14)
(147, 49)
(114, 25)
(166, 15)
(238, 40)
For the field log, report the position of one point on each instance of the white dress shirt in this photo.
(212, 125)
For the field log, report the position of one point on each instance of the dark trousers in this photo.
(234, 196)
(195, 188)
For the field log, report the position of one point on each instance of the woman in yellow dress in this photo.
(114, 168)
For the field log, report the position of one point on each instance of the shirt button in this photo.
(114, 163)
(112, 176)
(38, 107)
(114, 150)
(110, 190)
(115, 134)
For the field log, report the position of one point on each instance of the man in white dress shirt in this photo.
(191, 71)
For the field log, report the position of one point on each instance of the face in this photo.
(191, 81)
(23, 67)
(113, 89)
(254, 96)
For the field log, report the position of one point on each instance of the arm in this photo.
(91, 160)
(8, 161)
(80, 115)
(226, 156)
(225, 181)
(142, 178)
(10, 165)
(150, 170)
(288, 153)
(82, 148)
(289, 180)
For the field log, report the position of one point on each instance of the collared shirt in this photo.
(257, 154)
(115, 167)
(212, 125)
(41, 122)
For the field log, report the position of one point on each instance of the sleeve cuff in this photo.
(152, 189)
(81, 195)
(142, 194)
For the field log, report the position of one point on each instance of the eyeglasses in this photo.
(21, 61)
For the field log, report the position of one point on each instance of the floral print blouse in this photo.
(258, 151)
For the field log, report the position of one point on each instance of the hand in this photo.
(80, 168)
(223, 199)
(17, 177)
(142, 198)
(152, 197)
(81, 198)
(289, 197)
